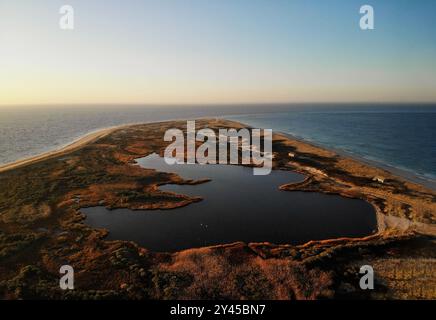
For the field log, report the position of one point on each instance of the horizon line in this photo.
(140, 104)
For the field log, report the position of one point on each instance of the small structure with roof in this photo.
(379, 179)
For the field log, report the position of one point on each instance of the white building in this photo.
(379, 179)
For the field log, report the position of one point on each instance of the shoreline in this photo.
(407, 174)
(100, 133)
(401, 173)
(78, 143)
(72, 146)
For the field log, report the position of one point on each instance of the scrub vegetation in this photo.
(41, 229)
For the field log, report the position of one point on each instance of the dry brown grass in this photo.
(245, 276)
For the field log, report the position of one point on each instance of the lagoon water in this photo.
(236, 206)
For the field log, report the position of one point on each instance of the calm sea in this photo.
(403, 137)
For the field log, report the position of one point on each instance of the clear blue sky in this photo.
(217, 51)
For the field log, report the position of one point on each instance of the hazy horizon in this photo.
(191, 52)
(392, 104)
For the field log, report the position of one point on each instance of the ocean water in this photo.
(29, 131)
(402, 137)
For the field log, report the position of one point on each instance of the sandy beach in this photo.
(407, 175)
(75, 145)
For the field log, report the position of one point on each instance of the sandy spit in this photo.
(75, 145)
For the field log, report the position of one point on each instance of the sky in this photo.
(217, 51)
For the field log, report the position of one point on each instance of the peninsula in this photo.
(42, 228)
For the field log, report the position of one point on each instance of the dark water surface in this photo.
(402, 137)
(398, 136)
(237, 206)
